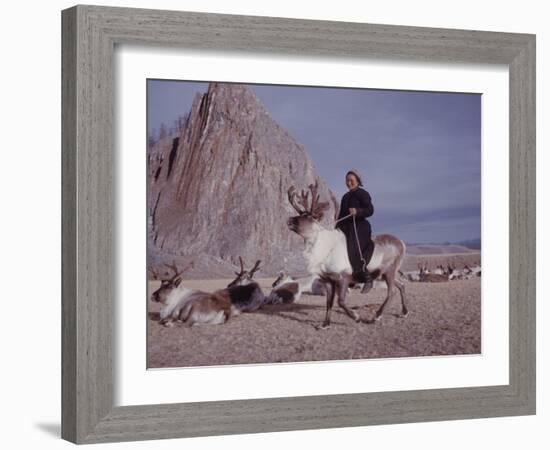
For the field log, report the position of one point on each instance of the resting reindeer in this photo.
(246, 294)
(193, 307)
(285, 290)
(327, 257)
(312, 285)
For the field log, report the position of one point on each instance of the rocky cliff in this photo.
(218, 190)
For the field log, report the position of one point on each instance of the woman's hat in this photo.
(357, 175)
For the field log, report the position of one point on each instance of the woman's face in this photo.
(351, 181)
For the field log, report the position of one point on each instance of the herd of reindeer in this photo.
(442, 274)
(243, 294)
(328, 267)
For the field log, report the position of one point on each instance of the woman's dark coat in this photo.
(359, 199)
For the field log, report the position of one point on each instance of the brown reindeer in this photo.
(245, 294)
(244, 276)
(191, 306)
(168, 284)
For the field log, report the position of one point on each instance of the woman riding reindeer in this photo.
(355, 207)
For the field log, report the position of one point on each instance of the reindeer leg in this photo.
(401, 287)
(167, 322)
(389, 281)
(342, 290)
(331, 290)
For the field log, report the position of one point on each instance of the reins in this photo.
(356, 238)
(359, 246)
(343, 218)
(336, 221)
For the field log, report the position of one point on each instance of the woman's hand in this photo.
(353, 211)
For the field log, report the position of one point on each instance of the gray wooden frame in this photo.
(89, 36)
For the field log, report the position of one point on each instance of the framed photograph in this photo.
(290, 215)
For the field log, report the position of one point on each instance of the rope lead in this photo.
(356, 239)
(359, 246)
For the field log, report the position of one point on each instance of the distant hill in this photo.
(435, 249)
(471, 243)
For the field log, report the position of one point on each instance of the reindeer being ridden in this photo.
(327, 257)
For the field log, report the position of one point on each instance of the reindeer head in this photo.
(306, 222)
(279, 279)
(167, 285)
(244, 276)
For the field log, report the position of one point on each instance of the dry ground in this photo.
(444, 319)
(432, 261)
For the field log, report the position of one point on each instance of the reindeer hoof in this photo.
(366, 288)
(325, 326)
(402, 316)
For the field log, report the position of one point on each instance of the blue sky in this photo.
(419, 152)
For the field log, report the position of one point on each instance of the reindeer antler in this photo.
(242, 264)
(314, 188)
(174, 268)
(292, 199)
(317, 208)
(302, 205)
(255, 268)
(154, 273)
(304, 200)
(177, 272)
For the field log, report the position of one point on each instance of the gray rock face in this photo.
(219, 190)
